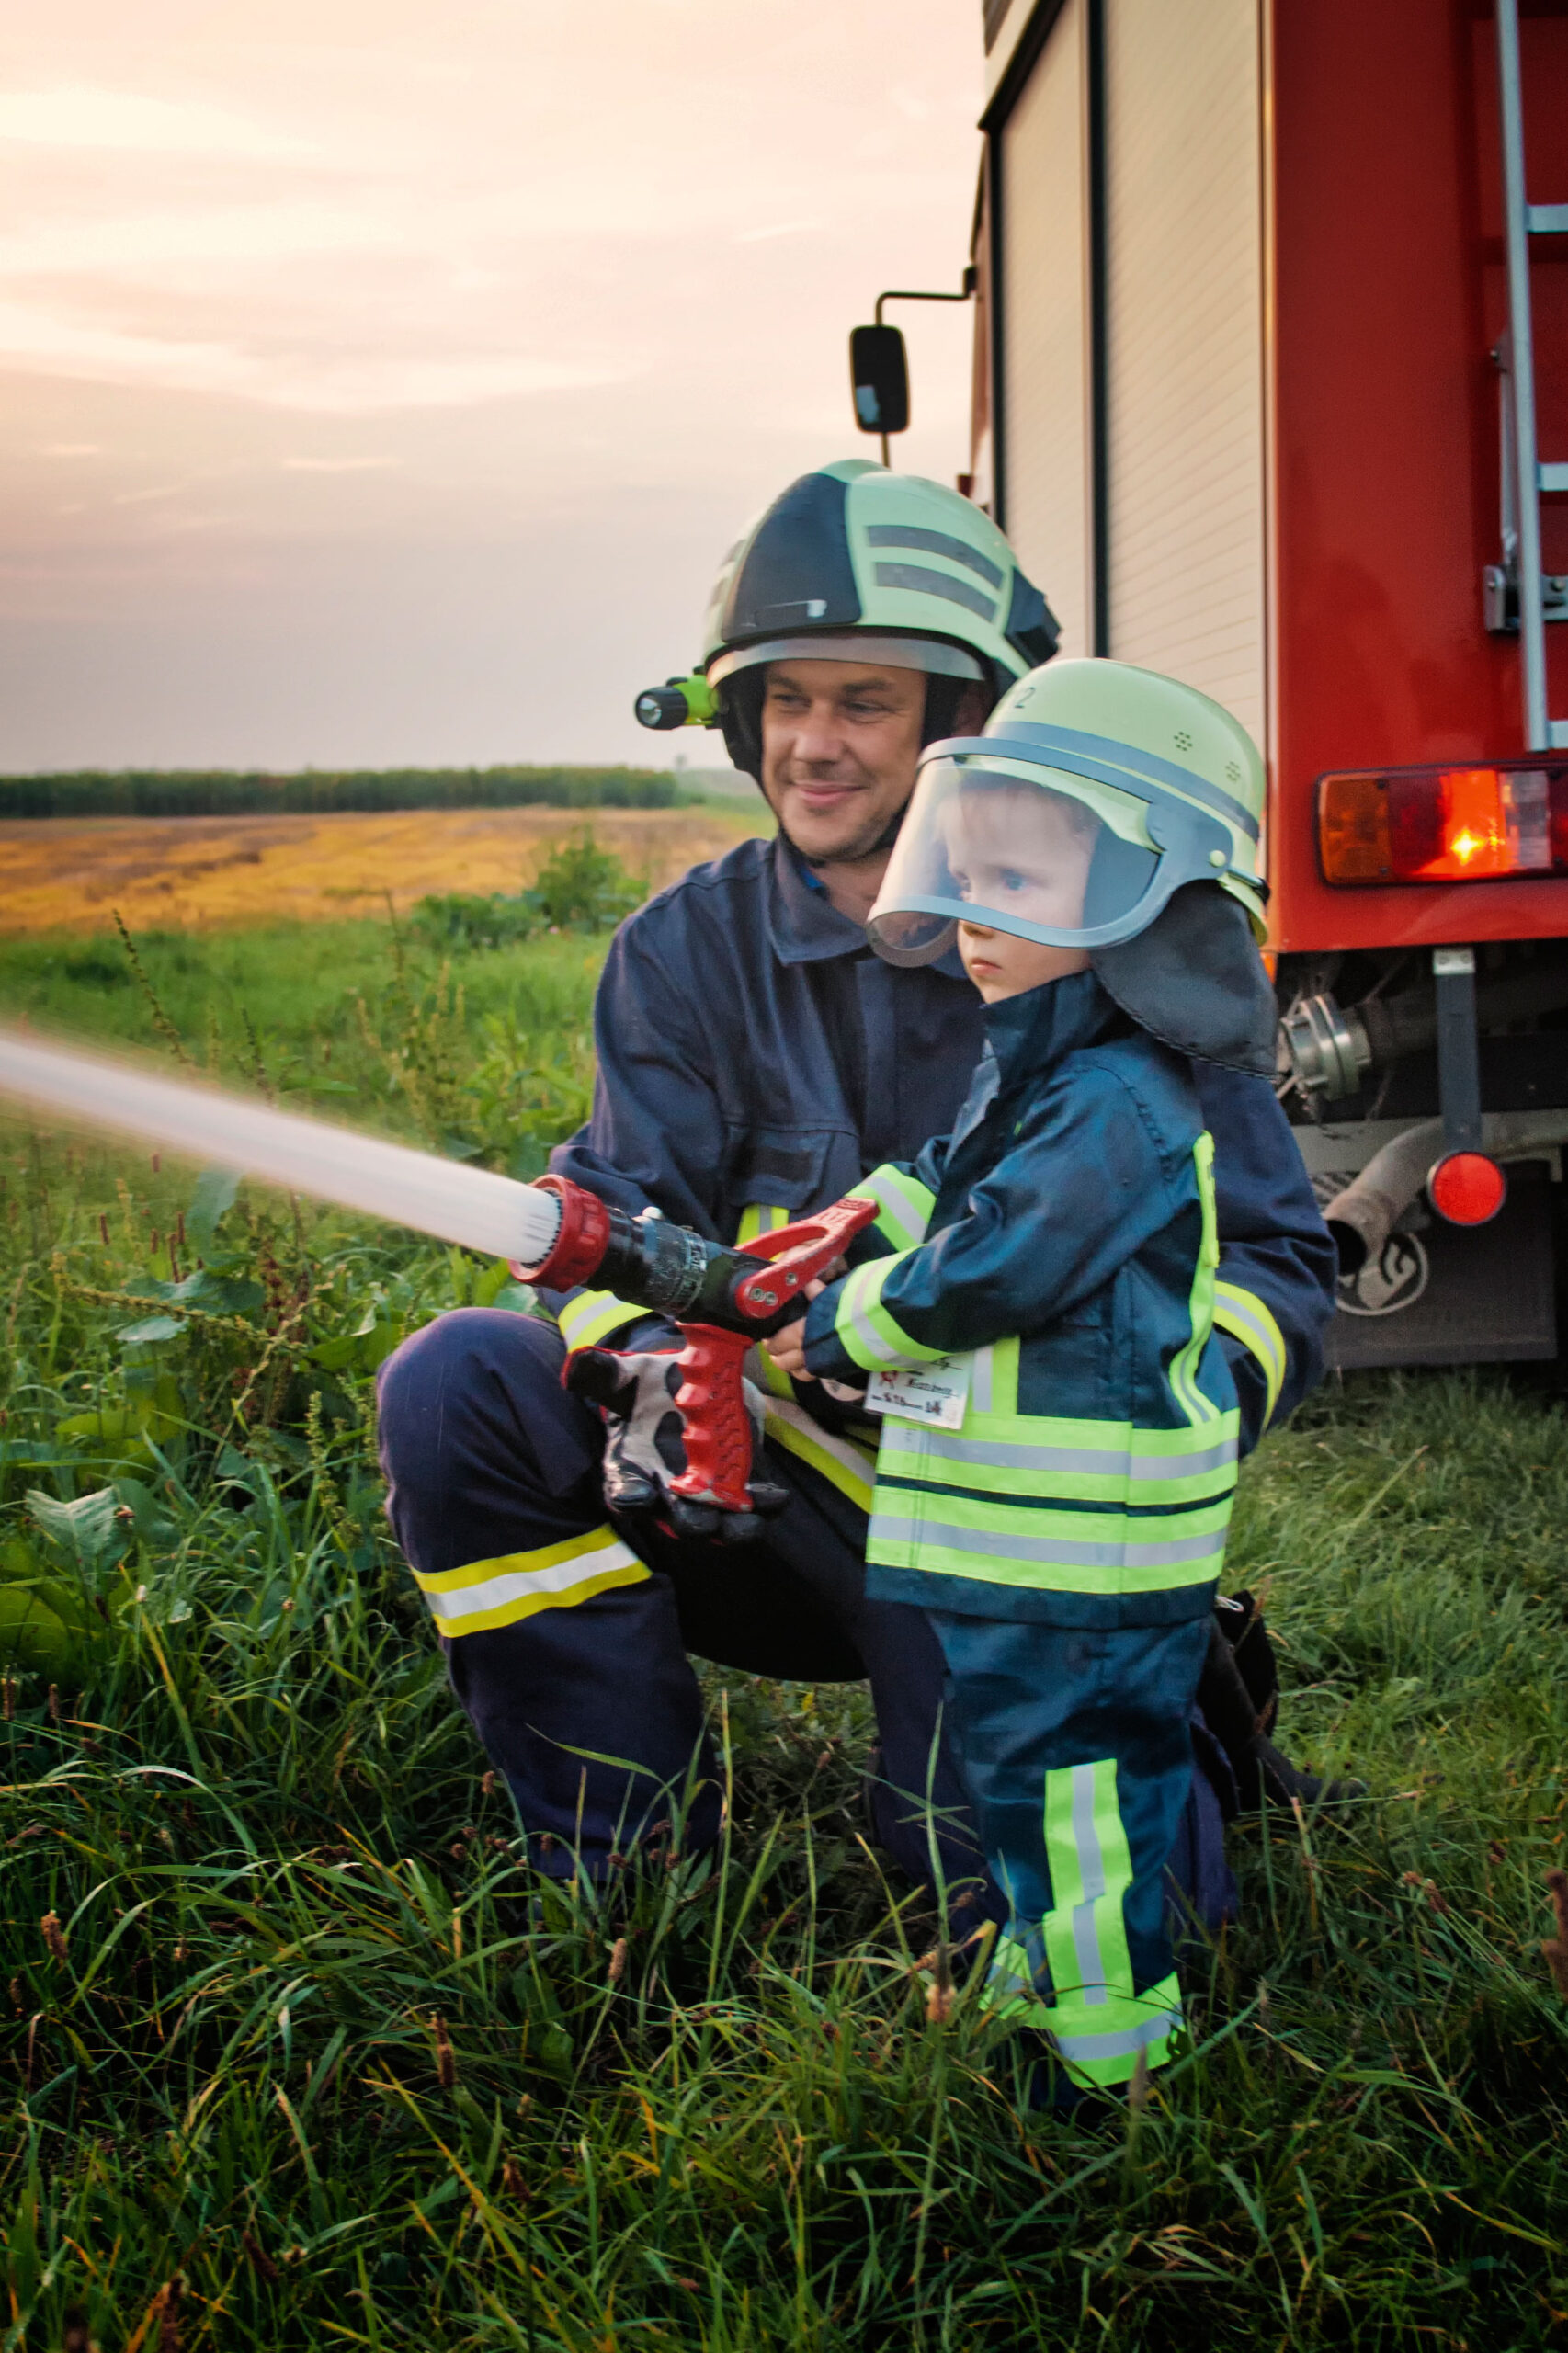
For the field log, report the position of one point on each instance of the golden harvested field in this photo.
(66, 873)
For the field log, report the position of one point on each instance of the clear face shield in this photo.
(1029, 847)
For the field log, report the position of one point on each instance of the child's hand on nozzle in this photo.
(787, 1348)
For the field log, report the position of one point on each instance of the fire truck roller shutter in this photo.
(1184, 323)
(1044, 299)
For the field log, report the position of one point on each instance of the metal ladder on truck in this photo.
(1517, 585)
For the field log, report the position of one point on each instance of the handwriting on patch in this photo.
(935, 1392)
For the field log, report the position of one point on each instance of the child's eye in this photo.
(1011, 879)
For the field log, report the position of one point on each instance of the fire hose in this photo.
(556, 1235)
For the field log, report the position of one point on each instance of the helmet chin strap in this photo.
(884, 841)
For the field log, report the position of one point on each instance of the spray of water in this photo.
(491, 1214)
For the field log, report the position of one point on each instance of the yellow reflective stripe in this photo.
(592, 1316)
(1047, 1551)
(1098, 2023)
(1106, 2053)
(760, 1217)
(1185, 1363)
(1008, 1991)
(868, 1331)
(485, 1594)
(1091, 1871)
(837, 1460)
(1106, 1463)
(1243, 1314)
(1150, 2025)
(993, 1395)
(903, 1204)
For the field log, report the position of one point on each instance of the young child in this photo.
(1061, 1515)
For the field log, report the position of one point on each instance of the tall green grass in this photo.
(298, 2056)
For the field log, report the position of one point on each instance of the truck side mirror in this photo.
(878, 370)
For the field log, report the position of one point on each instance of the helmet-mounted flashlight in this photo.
(679, 702)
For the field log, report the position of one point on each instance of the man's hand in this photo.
(645, 1446)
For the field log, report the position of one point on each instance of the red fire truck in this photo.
(1271, 393)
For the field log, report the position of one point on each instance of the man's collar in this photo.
(806, 928)
(804, 924)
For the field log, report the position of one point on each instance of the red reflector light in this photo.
(1473, 824)
(1467, 1188)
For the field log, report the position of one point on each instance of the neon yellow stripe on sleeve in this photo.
(593, 1316)
(1245, 1316)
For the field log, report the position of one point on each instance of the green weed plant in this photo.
(581, 886)
(300, 2054)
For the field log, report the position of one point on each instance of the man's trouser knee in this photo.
(567, 1636)
(1076, 1751)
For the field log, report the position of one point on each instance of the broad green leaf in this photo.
(150, 1328)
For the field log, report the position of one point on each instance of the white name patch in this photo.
(935, 1392)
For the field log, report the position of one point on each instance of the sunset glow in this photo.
(384, 383)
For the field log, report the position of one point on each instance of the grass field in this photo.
(291, 2064)
(66, 873)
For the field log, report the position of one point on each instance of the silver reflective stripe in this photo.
(1066, 1549)
(1085, 2047)
(1000, 1454)
(1091, 1869)
(871, 1339)
(911, 535)
(982, 1389)
(923, 582)
(904, 1203)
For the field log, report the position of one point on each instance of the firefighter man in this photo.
(755, 1060)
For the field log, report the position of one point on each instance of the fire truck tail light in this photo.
(1435, 824)
(1467, 1188)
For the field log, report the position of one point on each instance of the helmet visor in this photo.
(1050, 857)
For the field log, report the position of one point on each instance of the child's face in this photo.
(1024, 853)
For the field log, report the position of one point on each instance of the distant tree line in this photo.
(232, 792)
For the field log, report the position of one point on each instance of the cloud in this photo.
(124, 120)
(337, 465)
(53, 343)
(128, 246)
(784, 229)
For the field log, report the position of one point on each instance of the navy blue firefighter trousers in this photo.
(568, 1636)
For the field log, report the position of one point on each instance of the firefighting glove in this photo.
(645, 1446)
(1239, 1694)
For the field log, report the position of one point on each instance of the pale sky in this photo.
(381, 380)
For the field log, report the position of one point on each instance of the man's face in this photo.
(839, 745)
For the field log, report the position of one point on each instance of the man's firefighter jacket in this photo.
(756, 1059)
(1060, 1250)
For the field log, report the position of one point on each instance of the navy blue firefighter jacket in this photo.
(1058, 1253)
(756, 1058)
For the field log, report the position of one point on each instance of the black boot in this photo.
(1239, 1694)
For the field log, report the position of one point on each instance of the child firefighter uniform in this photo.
(1059, 1436)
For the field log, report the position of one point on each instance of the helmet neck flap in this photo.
(1112, 811)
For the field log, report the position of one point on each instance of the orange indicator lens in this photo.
(1432, 824)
